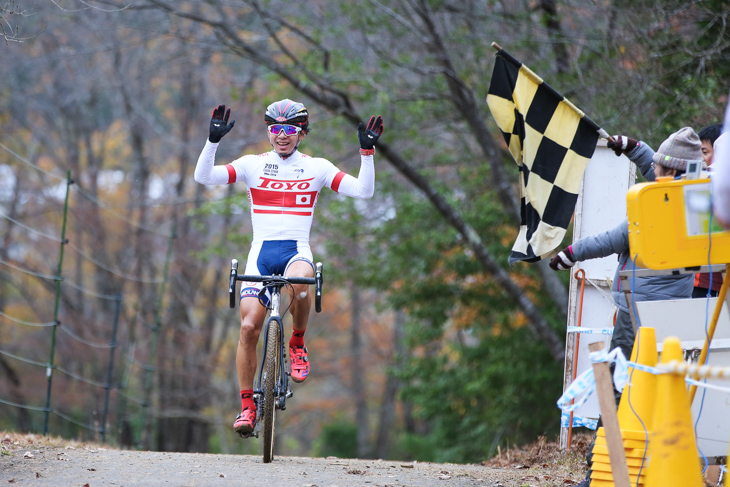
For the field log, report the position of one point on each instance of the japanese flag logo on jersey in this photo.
(304, 199)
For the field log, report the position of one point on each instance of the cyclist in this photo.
(283, 187)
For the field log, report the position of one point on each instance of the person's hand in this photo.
(219, 125)
(622, 144)
(563, 261)
(369, 135)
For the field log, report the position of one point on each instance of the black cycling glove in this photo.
(219, 125)
(369, 136)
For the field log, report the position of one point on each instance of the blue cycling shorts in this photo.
(269, 258)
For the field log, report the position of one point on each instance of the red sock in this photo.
(297, 338)
(247, 399)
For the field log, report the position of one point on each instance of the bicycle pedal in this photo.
(253, 434)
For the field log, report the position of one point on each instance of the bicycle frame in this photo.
(281, 389)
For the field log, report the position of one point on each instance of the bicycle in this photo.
(271, 387)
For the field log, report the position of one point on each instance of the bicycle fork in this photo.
(282, 391)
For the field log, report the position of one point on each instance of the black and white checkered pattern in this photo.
(552, 141)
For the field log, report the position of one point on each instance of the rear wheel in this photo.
(271, 379)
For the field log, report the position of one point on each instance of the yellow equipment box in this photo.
(669, 225)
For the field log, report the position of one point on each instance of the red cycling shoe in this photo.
(245, 422)
(299, 363)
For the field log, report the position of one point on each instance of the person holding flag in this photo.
(670, 160)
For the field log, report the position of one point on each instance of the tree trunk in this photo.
(551, 19)
(16, 394)
(358, 371)
(390, 390)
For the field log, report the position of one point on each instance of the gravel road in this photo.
(92, 467)
(35, 460)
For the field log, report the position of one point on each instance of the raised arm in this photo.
(637, 151)
(205, 170)
(364, 185)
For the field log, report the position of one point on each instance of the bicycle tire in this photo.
(272, 369)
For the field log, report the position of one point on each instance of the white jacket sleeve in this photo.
(206, 172)
(364, 185)
(721, 176)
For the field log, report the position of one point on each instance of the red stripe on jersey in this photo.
(231, 173)
(282, 212)
(299, 199)
(337, 180)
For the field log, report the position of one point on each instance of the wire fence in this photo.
(88, 327)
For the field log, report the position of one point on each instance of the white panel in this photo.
(601, 206)
(688, 320)
(597, 314)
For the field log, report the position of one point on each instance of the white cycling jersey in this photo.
(284, 192)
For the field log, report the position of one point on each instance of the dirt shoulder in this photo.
(38, 461)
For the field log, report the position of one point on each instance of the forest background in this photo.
(430, 346)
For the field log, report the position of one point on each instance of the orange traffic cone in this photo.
(673, 456)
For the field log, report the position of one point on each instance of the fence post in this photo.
(109, 373)
(49, 368)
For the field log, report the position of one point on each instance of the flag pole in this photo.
(600, 131)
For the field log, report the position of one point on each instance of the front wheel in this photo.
(272, 369)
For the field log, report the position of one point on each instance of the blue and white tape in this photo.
(697, 383)
(585, 384)
(578, 421)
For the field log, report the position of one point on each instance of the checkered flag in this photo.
(552, 141)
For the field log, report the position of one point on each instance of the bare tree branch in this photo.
(337, 101)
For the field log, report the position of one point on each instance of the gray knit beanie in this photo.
(680, 148)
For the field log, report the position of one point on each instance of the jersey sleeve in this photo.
(206, 172)
(361, 187)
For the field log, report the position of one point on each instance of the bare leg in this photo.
(301, 301)
(252, 320)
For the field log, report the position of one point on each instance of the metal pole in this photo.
(49, 368)
(146, 431)
(711, 331)
(109, 373)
